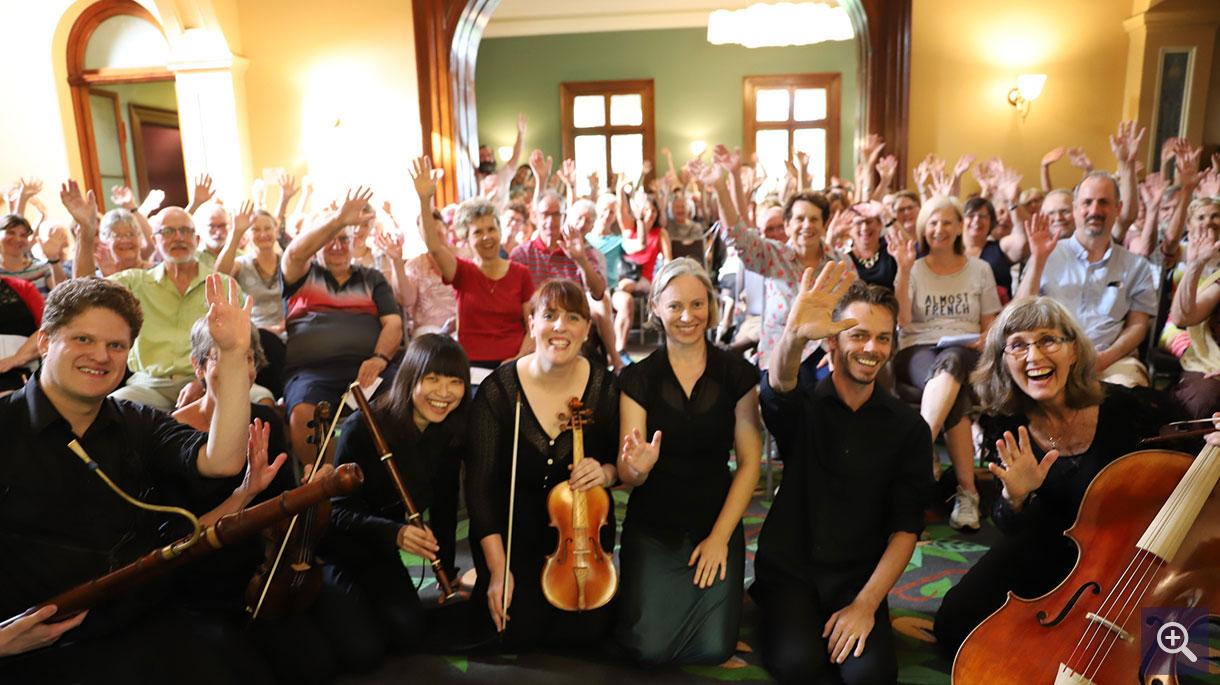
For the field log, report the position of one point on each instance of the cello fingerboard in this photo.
(1167, 531)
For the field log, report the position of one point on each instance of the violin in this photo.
(387, 458)
(290, 577)
(1148, 531)
(579, 575)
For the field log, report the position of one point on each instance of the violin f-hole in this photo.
(1041, 615)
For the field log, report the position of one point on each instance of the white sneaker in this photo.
(965, 510)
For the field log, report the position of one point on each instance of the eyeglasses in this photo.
(1047, 344)
(170, 231)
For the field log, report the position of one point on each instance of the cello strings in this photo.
(1121, 585)
(1176, 502)
(1109, 637)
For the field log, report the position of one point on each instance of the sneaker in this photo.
(965, 510)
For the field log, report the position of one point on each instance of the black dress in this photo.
(363, 543)
(664, 617)
(542, 463)
(1034, 556)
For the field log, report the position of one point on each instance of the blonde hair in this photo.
(998, 392)
(682, 266)
(933, 205)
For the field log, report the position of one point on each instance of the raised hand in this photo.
(352, 212)
(802, 160)
(425, 178)
(595, 183)
(639, 455)
(83, 209)
(259, 471)
(121, 196)
(522, 120)
(731, 161)
(572, 244)
(1053, 156)
(1209, 184)
(228, 321)
(1038, 234)
(1126, 142)
(540, 166)
(567, 173)
(152, 202)
(810, 317)
(389, 244)
(871, 148)
(963, 165)
(29, 187)
(203, 189)
(1187, 163)
(258, 193)
(646, 167)
(1202, 245)
(288, 186)
(942, 183)
(52, 240)
(1079, 159)
(1020, 472)
(1152, 190)
(1168, 149)
(902, 249)
(1008, 185)
(242, 218)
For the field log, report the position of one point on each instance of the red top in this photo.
(29, 294)
(491, 321)
(647, 257)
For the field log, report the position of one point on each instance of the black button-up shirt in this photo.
(851, 479)
(61, 525)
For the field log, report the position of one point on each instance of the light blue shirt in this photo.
(1100, 295)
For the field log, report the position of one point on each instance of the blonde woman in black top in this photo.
(683, 548)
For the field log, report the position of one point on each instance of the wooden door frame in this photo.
(80, 80)
(644, 87)
(141, 114)
(830, 81)
(447, 36)
(122, 133)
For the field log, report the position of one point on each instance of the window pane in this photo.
(772, 150)
(809, 104)
(588, 110)
(627, 153)
(812, 141)
(590, 157)
(771, 105)
(626, 110)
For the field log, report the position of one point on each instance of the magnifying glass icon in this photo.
(1177, 638)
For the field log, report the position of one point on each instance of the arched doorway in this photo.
(125, 103)
(447, 36)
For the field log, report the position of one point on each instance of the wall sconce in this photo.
(697, 147)
(1029, 87)
(506, 152)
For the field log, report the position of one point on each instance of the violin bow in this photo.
(512, 500)
(317, 463)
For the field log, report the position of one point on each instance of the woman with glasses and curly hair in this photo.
(1049, 427)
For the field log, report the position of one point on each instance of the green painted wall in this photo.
(698, 85)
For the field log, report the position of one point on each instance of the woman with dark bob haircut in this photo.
(423, 420)
(1049, 427)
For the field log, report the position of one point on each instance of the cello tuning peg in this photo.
(311, 424)
(311, 439)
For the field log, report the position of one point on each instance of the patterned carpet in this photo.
(941, 557)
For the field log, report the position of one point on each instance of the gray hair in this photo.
(583, 205)
(202, 344)
(468, 211)
(682, 266)
(115, 218)
(998, 392)
(544, 195)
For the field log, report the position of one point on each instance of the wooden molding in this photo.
(445, 69)
(141, 115)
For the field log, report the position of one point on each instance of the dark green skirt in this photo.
(664, 618)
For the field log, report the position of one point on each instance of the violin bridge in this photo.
(1066, 676)
(1113, 627)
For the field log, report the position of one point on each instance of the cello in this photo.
(1148, 533)
(579, 575)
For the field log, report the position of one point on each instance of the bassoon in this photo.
(226, 531)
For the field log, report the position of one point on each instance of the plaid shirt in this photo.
(546, 264)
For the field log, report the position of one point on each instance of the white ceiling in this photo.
(539, 17)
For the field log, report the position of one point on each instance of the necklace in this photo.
(868, 262)
(1067, 426)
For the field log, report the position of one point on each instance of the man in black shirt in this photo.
(61, 525)
(844, 524)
